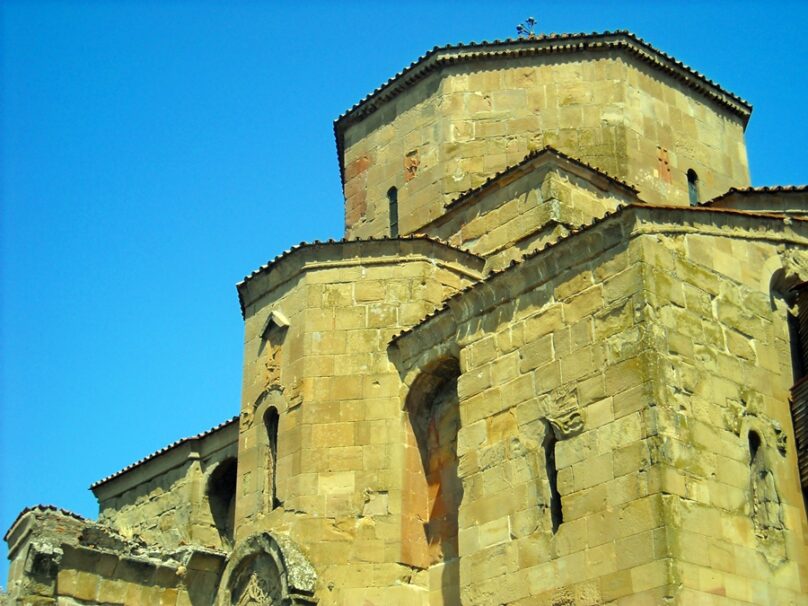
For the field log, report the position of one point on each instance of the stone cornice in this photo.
(308, 256)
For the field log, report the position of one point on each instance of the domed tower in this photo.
(462, 113)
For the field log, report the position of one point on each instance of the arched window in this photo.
(693, 187)
(392, 204)
(221, 491)
(556, 513)
(271, 421)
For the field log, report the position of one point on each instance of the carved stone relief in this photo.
(267, 570)
(254, 594)
(562, 412)
(766, 509)
(271, 349)
(257, 583)
(750, 410)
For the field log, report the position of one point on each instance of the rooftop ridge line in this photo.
(535, 45)
(163, 450)
(573, 233)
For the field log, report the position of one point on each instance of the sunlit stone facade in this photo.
(557, 360)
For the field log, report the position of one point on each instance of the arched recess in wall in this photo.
(766, 509)
(789, 299)
(432, 489)
(221, 493)
(268, 412)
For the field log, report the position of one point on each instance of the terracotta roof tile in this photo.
(163, 450)
(765, 189)
(42, 508)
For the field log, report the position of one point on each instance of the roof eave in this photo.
(555, 43)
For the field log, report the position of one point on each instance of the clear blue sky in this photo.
(152, 154)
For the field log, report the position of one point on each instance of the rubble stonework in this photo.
(558, 359)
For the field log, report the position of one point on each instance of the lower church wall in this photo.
(731, 485)
(659, 354)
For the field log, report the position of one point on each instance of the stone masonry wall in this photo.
(338, 465)
(669, 131)
(565, 351)
(737, 516)
(60, 558)
(158, 511)
(456, 128)
(170, 508)
(522, 216)
(659, 494)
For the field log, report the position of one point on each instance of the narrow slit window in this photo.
(556, 513)
(392, 203)
(754, 446)
(693, 187)
(271, 420)
(797, 347)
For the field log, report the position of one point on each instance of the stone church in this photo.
(557, 359)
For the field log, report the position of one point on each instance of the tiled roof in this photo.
(269, 264)
(526, 160)
(765, 189)
(163, 450)
(42, 508)
(550, 245)
(544, 43)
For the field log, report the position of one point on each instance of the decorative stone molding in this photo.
(267, 570)
(275, 318)
(567, 424)
(748, 413)
(563, 413)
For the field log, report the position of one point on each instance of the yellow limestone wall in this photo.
(659, 352)
(505, 222)
(459, 126)
(171, 508)
(339, 458)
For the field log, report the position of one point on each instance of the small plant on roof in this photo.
(526, 29)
